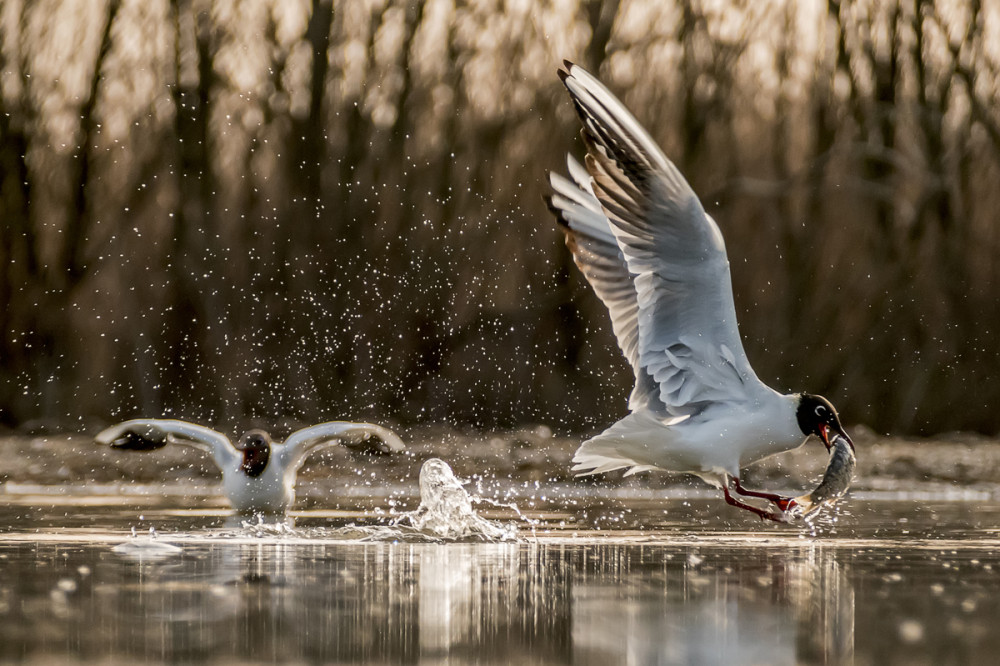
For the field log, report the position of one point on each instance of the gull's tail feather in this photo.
(625, 445)
(591, 458)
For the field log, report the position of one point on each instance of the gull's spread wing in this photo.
(680, 333)
(149, 434)
(596, 253)
(303, 442)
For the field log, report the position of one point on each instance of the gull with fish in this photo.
(258, 474)
(657, 260)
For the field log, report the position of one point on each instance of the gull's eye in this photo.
(821, 411)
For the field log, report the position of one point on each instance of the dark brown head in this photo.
(816, 416)
(256, 448)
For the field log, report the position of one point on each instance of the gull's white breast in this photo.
(272, 491)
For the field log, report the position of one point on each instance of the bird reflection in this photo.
(414, 602)
(742, 607)
(824, 601)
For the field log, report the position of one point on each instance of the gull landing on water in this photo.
(658, 262)
(258, 475)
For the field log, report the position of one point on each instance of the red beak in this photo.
(824, 434)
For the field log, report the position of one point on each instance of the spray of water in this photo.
(446, 511)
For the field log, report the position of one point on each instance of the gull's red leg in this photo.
(761, 513)
(781, 501)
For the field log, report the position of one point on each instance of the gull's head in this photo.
(816, 416)
(255, 445)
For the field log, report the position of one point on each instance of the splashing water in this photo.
(446, 511)
(445, 514)
(259, 527)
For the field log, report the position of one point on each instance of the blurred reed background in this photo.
(228, 210)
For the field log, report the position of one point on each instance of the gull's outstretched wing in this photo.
(149, 434)
(596, 253)
(303, 442)
(688, 340)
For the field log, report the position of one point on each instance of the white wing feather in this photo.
(596, 253)
(177, 432)
(303, 442)
(688, 339)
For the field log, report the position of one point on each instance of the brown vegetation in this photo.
(229, 210)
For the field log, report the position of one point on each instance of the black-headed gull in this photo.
(258, 475)
(657, 260)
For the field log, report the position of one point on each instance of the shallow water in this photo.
(600, 580)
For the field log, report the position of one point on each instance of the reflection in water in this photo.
(685, 595)
(824, 600)
(524, 603)
(465, 596)
(746, 607)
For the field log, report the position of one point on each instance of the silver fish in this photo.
(836, 480)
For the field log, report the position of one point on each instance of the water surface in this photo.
(614, 580)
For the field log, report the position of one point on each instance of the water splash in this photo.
(446, 511)
(262, 528)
